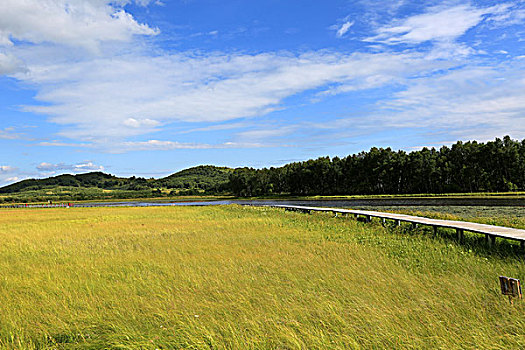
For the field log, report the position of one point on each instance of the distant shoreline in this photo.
(478, 199)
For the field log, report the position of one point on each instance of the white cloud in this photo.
(143, 3)
(77, 168)
(8, 174)
(63, 144)
(343, 29)
(48, 167)
(469, 103)
(89, 166)
(4, 169)
(451, 50)
(438, 24)
(512, 15)
(80, 23)
(444, 25)
(101, 101)
(120, 97)
(9, 134)
(9, 64)
(140, 123)
(229, 126)
(264, 134)
(376, 7)
(159, 145)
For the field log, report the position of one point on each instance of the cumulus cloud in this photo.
(80, 23)
(77, 168)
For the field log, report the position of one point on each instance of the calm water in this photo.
(353, 203)
(486, 205)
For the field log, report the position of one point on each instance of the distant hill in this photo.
(198, 179)
(94, 179)
(204, 177)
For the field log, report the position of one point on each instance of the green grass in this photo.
(245, 278)
(85, 194)
(72, 194)
(462, 195)
(182, 198)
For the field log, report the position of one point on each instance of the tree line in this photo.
(493, 166)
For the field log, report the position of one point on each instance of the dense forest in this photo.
(464, 167)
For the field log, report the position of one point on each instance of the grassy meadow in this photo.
(234, 277)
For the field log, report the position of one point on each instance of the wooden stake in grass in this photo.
(461, 235)
(510, 287)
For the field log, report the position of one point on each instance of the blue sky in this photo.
(146, 88)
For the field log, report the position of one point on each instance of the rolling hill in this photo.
(202, 179)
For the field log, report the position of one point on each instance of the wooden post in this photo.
(460, 235)
(368, 218)
(491, 239)
(435, 229)
(398, 222)
(383, 220)
(414, 226)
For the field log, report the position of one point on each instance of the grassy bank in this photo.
(514, 194)
(235, 277)
(81, 195)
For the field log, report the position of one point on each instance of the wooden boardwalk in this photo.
(490, 231)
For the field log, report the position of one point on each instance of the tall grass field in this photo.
(232, 277)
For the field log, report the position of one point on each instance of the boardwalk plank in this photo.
(498, 231)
